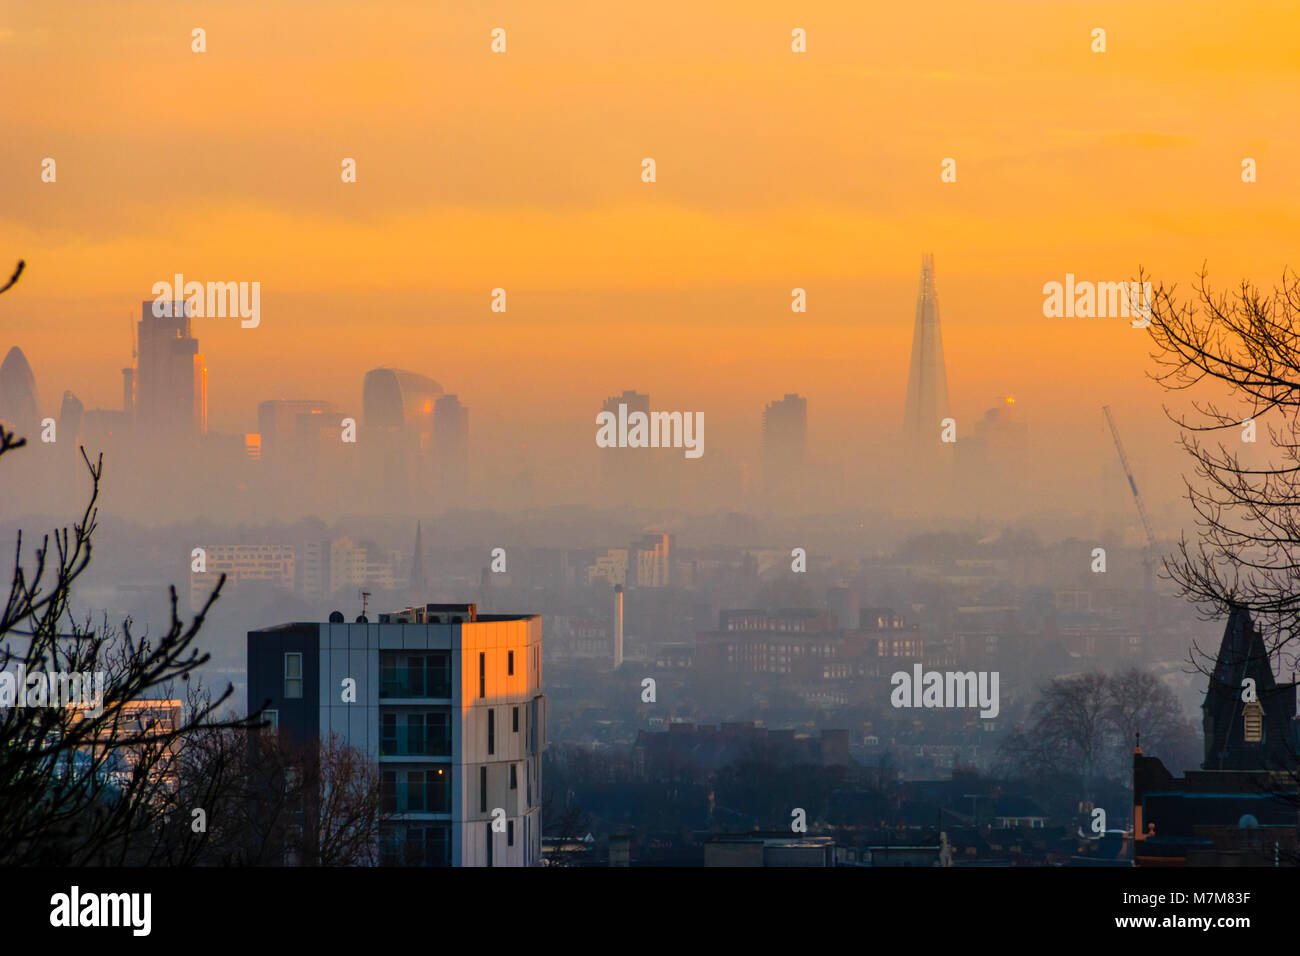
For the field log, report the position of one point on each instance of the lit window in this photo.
(1253, 722)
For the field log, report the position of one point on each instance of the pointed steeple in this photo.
(419, 585)
(1247, 729)
(927, 381)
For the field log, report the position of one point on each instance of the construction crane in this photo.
(1149, 556)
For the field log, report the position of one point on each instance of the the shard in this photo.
(927, 382)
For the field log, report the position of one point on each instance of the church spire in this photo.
(419, 585)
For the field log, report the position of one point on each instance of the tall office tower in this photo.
(629, 475)
(171, 381)
(71, 414)
(449, 708)
(785, 445)
(618, 626)
(18, 407)
(927, 382)
(290, 428)
(451, 446)
(993, 462)
(128, 393)
(397, 417)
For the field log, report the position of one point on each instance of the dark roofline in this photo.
(290, 625)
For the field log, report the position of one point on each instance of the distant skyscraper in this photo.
(628, 474)
(634, 400)
(992, 460)
(290, 428)
(18, 407)
(171, 381)
(393, 398)
(451, 445)
(927, 382)
(128, 392)
(785, 443)
(70, 413)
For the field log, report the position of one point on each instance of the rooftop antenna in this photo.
(365, 600)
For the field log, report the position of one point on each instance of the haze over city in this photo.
(675, 435)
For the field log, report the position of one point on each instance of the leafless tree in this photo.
(78, 782)
(1237, 356)
(1138, 703)
(1084, 727)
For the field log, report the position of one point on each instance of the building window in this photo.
(482, 789)
(514, 720)
(272, 718)
(293, 676)
(1253, 722)
(388, 791)
(514, 776)
(415, 675)
(415, 796)
(489, 844)
(510, 833)
(492, 730)
(482, 674)
(510, 663)
(387, 735)
(415, 734)
(427, 845)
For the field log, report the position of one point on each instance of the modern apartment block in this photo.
(448, 703)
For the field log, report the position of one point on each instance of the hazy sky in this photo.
(523, 170)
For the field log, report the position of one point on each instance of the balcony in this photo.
(420, 792)
(410, 740)
(415, 733)
(432, 680)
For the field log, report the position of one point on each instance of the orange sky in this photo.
(522, 170)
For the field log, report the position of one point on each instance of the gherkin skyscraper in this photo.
(927, 382)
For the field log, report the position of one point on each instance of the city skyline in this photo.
(681, 287)
(520, 435)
